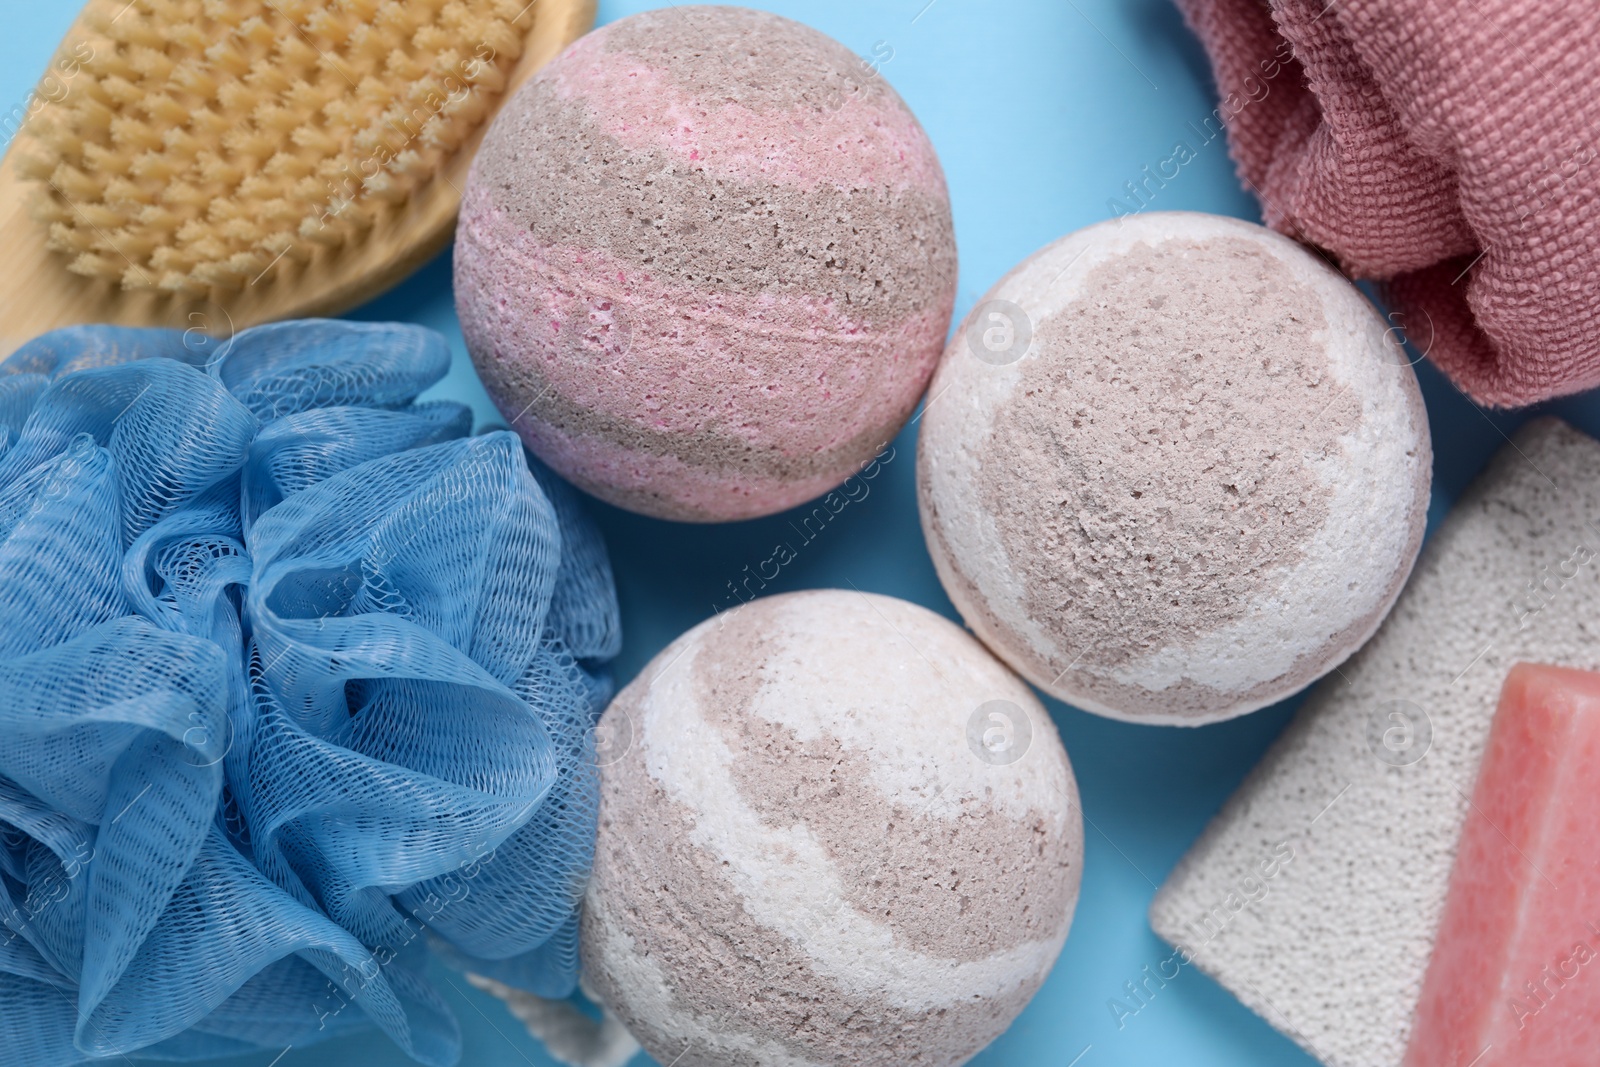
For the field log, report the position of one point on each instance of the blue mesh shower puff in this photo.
(297, 689)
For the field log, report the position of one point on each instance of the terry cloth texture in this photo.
(1451, 149)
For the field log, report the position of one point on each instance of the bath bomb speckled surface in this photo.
(1173, 468)
(842, 834)
(705, 263)
(1368, 788)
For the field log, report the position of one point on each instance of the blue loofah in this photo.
(297, 690)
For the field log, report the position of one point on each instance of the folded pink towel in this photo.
(1450, 148)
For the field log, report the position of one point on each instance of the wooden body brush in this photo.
(214, 164)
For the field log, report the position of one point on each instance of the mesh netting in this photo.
(297, 690)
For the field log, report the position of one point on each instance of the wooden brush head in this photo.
(258, 158)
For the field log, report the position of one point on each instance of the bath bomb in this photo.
(1173, 468)
(1367, 790)
(842, 834)
(705, 263)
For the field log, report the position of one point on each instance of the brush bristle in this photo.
(199, 142)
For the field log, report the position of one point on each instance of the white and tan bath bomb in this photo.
(842, 834)
(1174, 468)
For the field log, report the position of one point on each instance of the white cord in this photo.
(570, 1036)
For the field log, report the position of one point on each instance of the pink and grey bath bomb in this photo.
(1175, 468)
(705, 263)
(843, 834)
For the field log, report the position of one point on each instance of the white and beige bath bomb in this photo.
(1358, 808)
(843, 834)
(1173, 468)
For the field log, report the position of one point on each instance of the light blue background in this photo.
(1041, 111)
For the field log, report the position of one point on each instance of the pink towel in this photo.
(1450, 148)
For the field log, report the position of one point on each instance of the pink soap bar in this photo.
(1515, 976)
